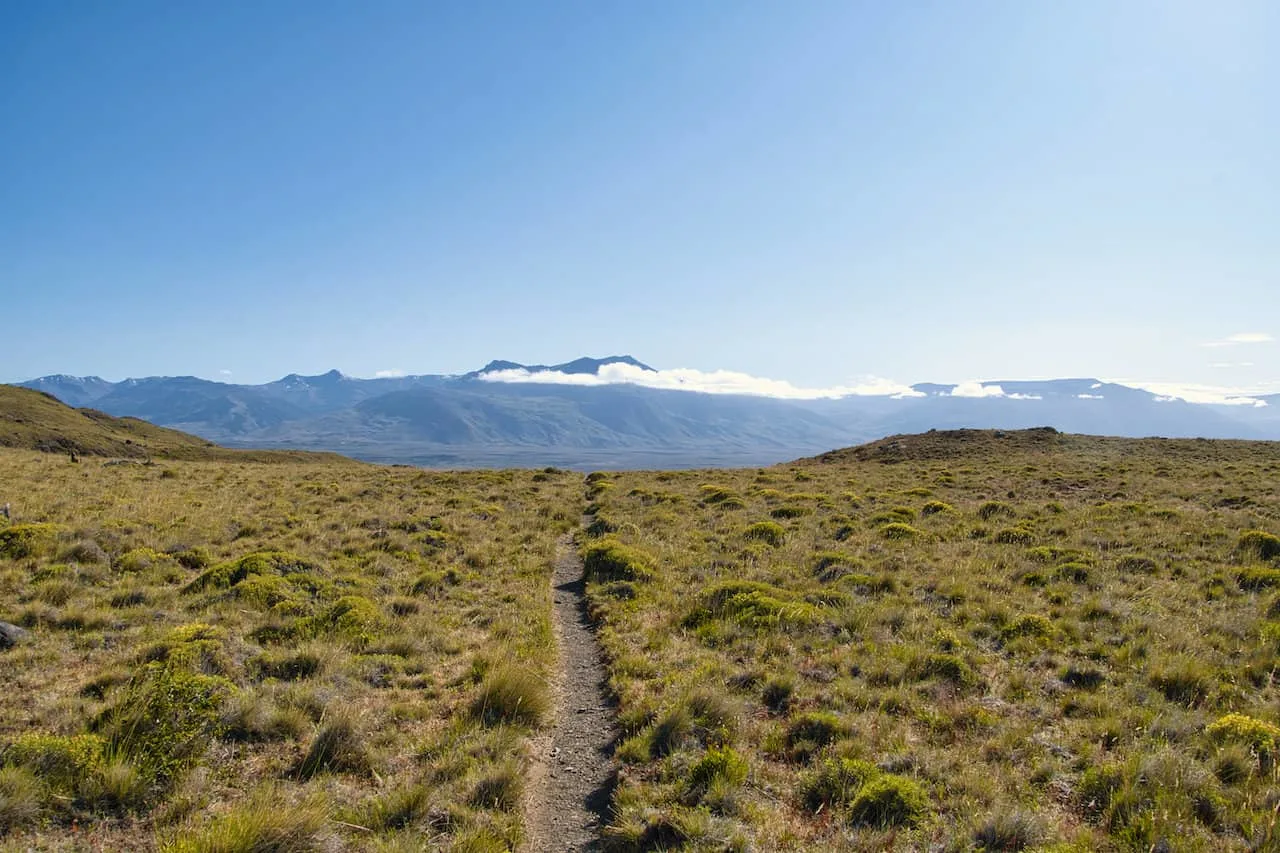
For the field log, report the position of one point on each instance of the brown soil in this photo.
(573, 775)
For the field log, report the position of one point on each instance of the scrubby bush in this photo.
(835, 783)
(889, 800)
(63, 763)
(938, 508)
(751, 604)
(1014, 536)
(226, 575)
(768, 532)
(991, 509)
(1260, 736)
(140, 559)
(611, 560)
(1259, 544)
(165, 720)
(809, 732)
(898, 530)
(19, 541)
(1009, 831)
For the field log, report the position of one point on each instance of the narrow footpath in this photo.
(573, 774)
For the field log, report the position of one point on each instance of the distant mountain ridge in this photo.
(469, 419)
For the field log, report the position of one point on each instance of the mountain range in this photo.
(471, 420)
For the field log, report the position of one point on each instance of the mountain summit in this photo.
(577, 366)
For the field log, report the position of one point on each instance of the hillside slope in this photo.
(34, 420)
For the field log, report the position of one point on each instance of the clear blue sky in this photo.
(811, 191)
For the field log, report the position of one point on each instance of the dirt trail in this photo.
(573, 776)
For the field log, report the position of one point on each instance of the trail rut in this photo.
(573, 774)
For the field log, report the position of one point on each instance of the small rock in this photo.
(11, 635)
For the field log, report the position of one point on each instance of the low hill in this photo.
(35, 420)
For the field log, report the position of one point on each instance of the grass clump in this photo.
(227, 575)
(751, 604)
(610, 560)
(338, 747)
(514, 695)
(21, 798)
(61, 762)
(716, 774)
(263, 824)
(889, 800)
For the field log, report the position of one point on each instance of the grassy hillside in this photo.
(226, 656)
(955, 641)
(32, 420)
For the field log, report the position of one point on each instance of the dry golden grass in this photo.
(215, 644)
(951, 641)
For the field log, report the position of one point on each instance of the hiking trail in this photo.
(572, 776)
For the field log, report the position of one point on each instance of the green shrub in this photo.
(610, 560)
(991, 509)
(140, 559)
(790, 511)
(165, 720)
(751, 604)
(768, 532)
(227, 575)
(62, 762)
(809, 732)
(943, 666)
(835, 783)
(1028, 625)
(1014, 536)
(899, 530)
(777, 694)
(1259, 735)
(938, 508)
(1254, 578)
(194, 558)
(19, 541)
(512, 694)
(196, 647)
(352, 617)
(888, 800)
(1259, 544)
(1073, 572)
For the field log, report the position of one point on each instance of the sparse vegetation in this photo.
(220, 658)
(982, 645)
(1021, 642)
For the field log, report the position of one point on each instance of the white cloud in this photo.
(1240, 338)
(1195, 393)
(1095, 386)
(388, 374)
(707, 382)
(976, 389)
(1090, 396)
(1025, 397)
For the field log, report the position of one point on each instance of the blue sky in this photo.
(815, 191)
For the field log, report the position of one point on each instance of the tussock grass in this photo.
(200, 624)
(1004, 641)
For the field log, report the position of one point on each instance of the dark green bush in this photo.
(1259, 544)
(769, 532)
(610, 560)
